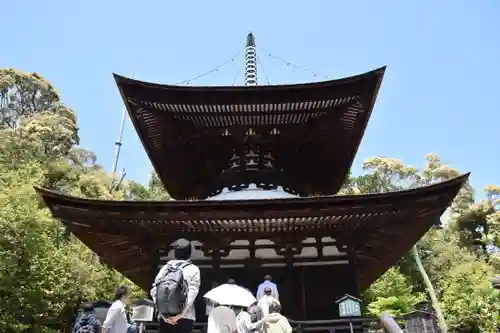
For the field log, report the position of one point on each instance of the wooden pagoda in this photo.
(301, 139)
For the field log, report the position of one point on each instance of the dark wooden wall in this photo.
(309, 280)
(306, 292)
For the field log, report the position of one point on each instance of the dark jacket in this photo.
(88, 318)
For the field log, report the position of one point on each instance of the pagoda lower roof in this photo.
(378, 228)
(312, 131)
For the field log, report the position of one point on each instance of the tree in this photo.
(453, 264)
(430, 289)
(389, 175)
(392, 292)
(468, 298)
(479, 223)
(40, 271)
(23, 95)
(463, 280)
(43, 268)
(154, 190)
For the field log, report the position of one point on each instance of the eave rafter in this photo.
(312, 131)
(378, 229)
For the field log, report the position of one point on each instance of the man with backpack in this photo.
(87, 322)
(175, 289)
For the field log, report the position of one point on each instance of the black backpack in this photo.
(171, 290)
(86, 325)
(86, 329)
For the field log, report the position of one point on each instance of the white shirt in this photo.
(191, 274)
(221, 320)
(264, 285)
(244, 323)
(264, 303)
(116, 318)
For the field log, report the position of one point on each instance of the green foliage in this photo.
(392, 283)
(479, 223)
(154, 190)
(468, 298)
(462, 278)
(457, 256)
(23, 95)
(394, 305)
(41, 272)
(392, 292)
(43, 269)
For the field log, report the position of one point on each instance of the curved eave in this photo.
(355, 79)
(259, 205)
(146, 103)
(125, 234)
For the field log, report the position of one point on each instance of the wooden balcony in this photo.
(342, 325)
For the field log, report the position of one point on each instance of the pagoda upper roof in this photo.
(378, 228)
(311, 132)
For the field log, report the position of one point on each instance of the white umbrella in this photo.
(231, 294)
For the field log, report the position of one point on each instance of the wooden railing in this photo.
(342, 325)
(389, 323)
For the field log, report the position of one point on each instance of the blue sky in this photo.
(438, 95)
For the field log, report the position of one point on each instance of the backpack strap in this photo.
(184, 265)
(180, 265)
(171, 268)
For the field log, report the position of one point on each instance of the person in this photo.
(182, 322)
(264, 302)
(222, 319)
(87, 322)
(268, 282)
(210, 305)
(274, 322)
(116, 318)
(244, 322)
(254, 311)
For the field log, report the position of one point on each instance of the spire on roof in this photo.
(250, 61)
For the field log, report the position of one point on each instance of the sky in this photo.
(438, 93)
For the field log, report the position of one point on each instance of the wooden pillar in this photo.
(155, 260)
(211, 249)
(290, 292)
(251, 264)
(351, 255)
(216, 270)
(155, 263)
(349, 244)
(303, 295)
(253, 272)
